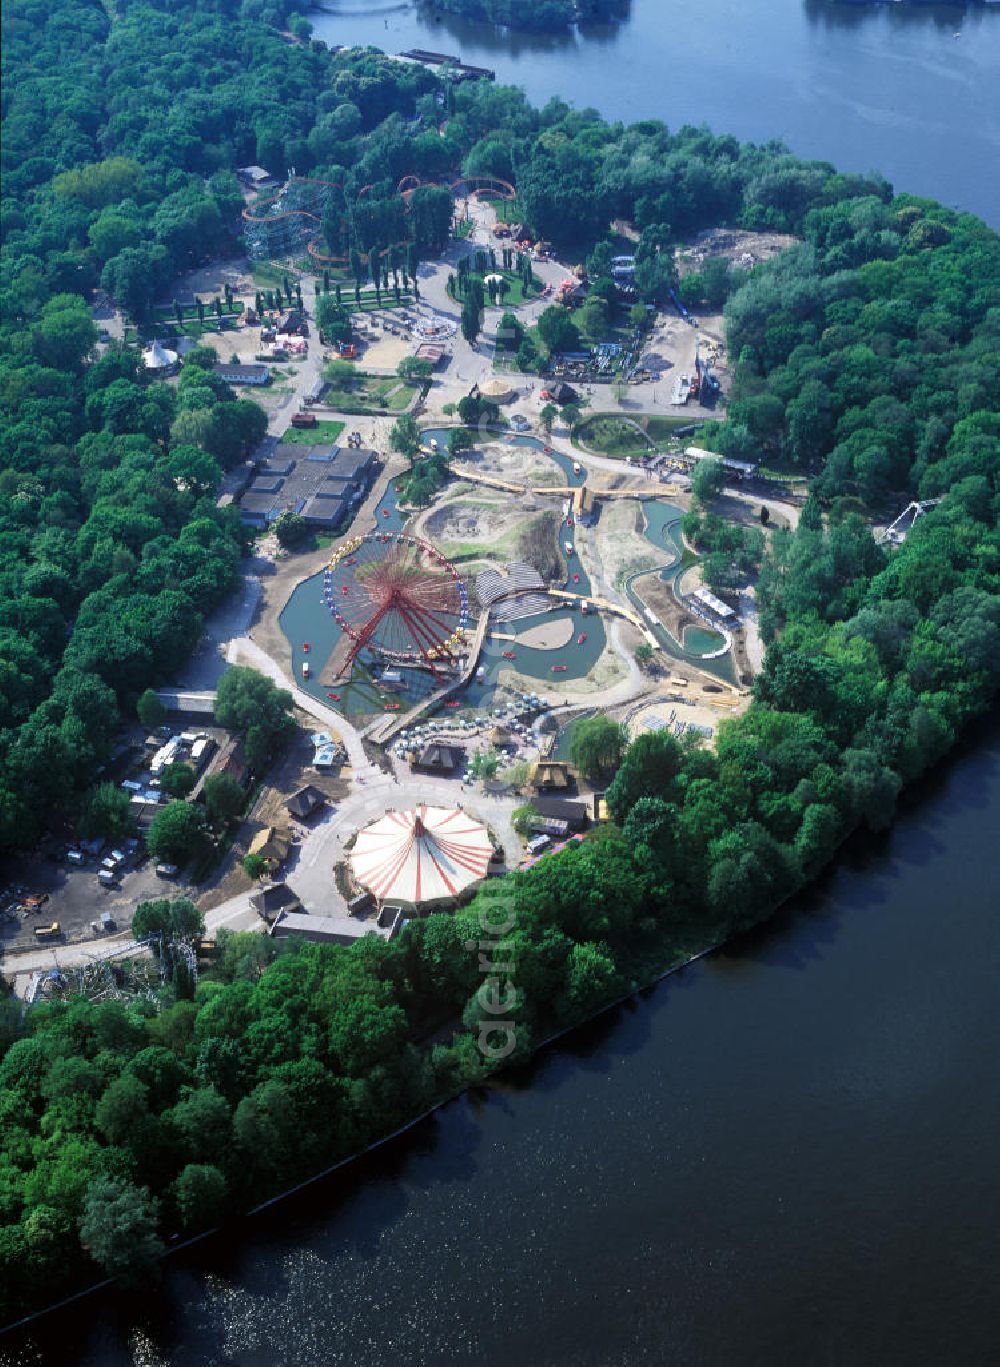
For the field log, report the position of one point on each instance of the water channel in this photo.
(787, 1154)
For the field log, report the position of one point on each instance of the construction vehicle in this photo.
(46, 932)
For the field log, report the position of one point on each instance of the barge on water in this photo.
(459, 70)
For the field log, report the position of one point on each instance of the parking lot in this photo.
(52, 885)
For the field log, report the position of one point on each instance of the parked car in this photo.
(166, 870)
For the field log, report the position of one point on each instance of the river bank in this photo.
(297, 1287)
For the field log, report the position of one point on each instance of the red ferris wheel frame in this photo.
(400, 597)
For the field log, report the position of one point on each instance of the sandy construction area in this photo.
(478, 523)
(546, 635)
(623, 548)
(519, 464)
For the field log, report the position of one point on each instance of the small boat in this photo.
(453, 702)
(568, 547)
(509, 655)
(344, 588)
(393, 706)
(581, 638)
(576, 579)
(569, 519)
(547, 450)
(305, 646)
(305, 670)
(399, 488)
(559, 669)
(385, 512)
(334, 697)
(352, 561)
(577, 468)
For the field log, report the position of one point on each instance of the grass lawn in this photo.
(368, 392)
(324, 431)
(614, 436)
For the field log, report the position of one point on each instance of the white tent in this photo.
(158, 357)
(428, 854)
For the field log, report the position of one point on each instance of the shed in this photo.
(270, 902)
(550, 776)
(273, 844)
(305, 802)
(439, 759)
(574, 814)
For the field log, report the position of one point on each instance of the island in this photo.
(539, 15)
(461, 562)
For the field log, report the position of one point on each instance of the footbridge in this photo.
(383, 729)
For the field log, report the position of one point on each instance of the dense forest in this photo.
(867, 357)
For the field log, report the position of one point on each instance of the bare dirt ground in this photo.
(737, 245)
(292, 772)
(477, 522)
(384, 353)
(623, 547)
(519, 464)
(547, 635)
(656, 593)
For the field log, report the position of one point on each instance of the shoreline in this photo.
(914, 792)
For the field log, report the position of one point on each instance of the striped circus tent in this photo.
(427, 854)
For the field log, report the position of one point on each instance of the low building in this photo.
(430, 351)
(272, 843)
(325, 930)
(243, 372)
(273, 901)
(323, 484)
(305, 802)
(551, 776)
(292, 323)
(436, 758)
(568, 817)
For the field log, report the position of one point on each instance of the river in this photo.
(785, 1155)
(883, 87)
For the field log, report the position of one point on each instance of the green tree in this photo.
(644, 654)
(150, 710)
(224, 797)
(708, 479)
(200, 1195)
(107, 812)
(179, 919)
(405, 436)
(597, 746)
(178, 779)
(557, 329)
(176, 832)
(291, 529)
(119, 1229)
(255, 866)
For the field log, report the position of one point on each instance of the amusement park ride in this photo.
(401, 599)
(292, 219)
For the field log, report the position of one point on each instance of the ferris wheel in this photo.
(398, 597)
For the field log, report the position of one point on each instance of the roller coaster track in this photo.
(258, 216)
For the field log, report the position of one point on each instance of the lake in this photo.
(869, 87)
